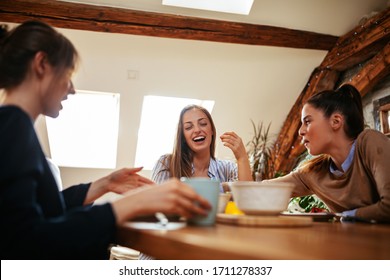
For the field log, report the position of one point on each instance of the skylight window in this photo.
(85, 134)
(157, 132)
(242, 7)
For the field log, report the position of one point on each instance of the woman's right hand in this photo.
(171, 197)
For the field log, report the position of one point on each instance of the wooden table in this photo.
(321, 240)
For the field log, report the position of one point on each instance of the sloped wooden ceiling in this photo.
(368, 43)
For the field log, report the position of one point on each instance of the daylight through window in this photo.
(86, 132)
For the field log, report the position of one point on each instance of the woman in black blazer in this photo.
(37, 220)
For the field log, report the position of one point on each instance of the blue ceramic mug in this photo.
(209, 189)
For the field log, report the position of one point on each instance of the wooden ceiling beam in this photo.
(118, 20)
(360, 44)
(372, 72)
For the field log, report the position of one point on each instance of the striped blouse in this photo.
(223, 170)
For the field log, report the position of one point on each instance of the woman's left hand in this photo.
(119, 182)
(126, 179)
(234, 142)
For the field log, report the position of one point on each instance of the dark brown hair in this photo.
(179, 163)
(345, 100)
(19, 46)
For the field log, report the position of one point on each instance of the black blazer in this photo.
(38, 221)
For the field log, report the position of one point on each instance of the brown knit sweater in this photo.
(365, 186)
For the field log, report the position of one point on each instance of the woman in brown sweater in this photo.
(351, 170)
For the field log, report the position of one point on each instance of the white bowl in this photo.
(261, 198)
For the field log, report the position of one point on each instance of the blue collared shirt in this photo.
(346, 164)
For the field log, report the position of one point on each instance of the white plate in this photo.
(155, 226)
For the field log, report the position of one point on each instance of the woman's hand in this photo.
(171, 197)
(234, 143)
(119, 182)
(126, 179)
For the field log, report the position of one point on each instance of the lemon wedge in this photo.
(231, 208)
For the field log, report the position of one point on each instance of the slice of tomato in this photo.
(317, 210)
